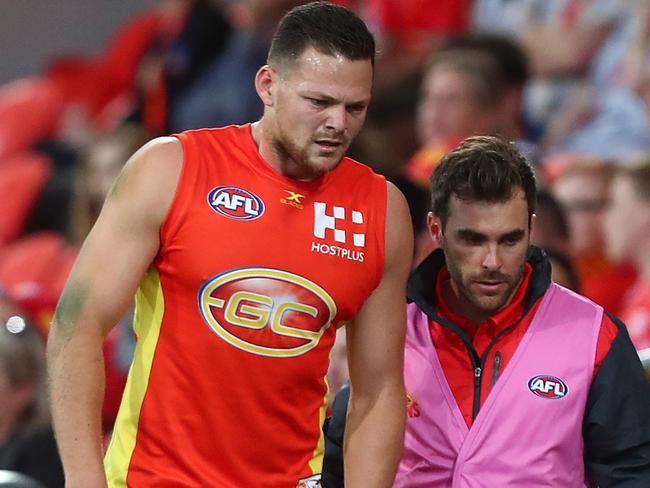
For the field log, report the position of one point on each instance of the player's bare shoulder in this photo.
(149, 178)
(399, 231)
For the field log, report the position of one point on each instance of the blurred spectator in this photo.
(472, 87)
(100, 165)
(627, 228)
(563, 271)
(408, 33)
(606, 117)
(222, 92)
(99, 92)
(179, 60)
(460, 96)
(26, 440)
(583, 189)
(515, 72)
(565, 40)
(550, 228)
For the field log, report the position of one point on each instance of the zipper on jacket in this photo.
(478, 375)
(495, 367)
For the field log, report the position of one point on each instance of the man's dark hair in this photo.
(328, 28)
(509, 55)
(486, 81)
(481, 168)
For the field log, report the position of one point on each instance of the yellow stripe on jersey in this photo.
(149, 309)
(316, 462)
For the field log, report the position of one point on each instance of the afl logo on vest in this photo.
(549, 387)
(235, 203)
(266, 311)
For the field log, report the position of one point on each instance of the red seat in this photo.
(33, 271)
(29, 112)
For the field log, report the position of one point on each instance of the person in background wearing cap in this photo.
(511, 379)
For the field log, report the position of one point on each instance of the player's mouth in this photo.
(490, 287)
(329, 145)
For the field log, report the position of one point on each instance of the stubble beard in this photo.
(288, 150)
(486, 304)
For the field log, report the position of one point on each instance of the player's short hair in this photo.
(483, 169)
(330, 29)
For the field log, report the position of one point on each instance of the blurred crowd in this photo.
(567, 80)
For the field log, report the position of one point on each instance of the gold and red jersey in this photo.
(236, 317)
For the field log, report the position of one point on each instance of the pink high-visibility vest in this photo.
(529, 431)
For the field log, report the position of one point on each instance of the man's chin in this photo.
(323, 164)
(491, 304)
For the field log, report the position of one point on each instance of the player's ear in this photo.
(434, 225)
(532, 222)
(265, 81)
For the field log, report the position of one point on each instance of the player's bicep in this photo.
(123, 241)
(376, 338)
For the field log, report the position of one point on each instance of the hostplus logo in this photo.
(345, 230)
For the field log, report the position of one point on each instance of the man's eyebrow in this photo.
(514, 235)
(473, 235)
(470, 234)
(329, 99)
(319, 96)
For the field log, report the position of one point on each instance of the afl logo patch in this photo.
(264, 311)
(546, 386)
(236, 203)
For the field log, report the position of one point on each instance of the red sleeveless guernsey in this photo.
(236, 317)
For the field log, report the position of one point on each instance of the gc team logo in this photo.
(236, 203)
(546, 386)
(266, 311)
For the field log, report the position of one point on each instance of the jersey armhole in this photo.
(172, 220)
(381, 262)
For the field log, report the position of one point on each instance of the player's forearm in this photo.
(374, 438)
(76, 378)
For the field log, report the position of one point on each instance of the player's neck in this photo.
(278, 160)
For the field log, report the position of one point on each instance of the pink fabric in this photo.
(518, 438)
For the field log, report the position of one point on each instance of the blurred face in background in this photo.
(103, 165)
(21, 363)
(448, 107)
(584, 198)
(627, 222)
